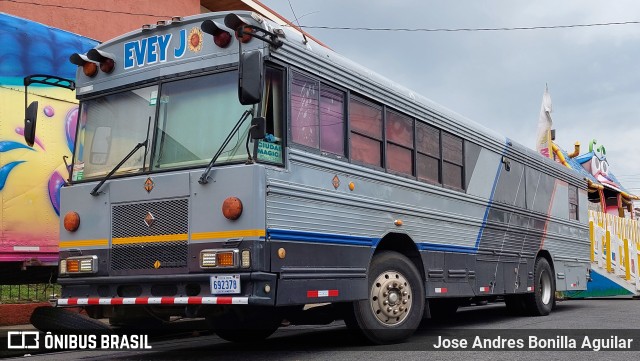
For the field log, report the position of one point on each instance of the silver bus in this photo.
(230, 168)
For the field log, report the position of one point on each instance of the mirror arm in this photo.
(249, 157)
(66, 165)
(267, 36)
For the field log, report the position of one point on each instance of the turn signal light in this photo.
(73, 266)
(71, 221)
(225, 259)
(221, 258)
(84, 264)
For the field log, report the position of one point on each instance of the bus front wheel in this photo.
(396, 299)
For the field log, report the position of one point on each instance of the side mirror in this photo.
(250, 78)
(258, 128)
(30, 120)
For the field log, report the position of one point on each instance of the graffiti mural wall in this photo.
(31, 178)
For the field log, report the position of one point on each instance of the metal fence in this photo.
(28, 293)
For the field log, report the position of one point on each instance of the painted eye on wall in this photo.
(595, 165)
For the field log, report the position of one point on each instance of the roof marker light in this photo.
(106, 60)
(89, 67)
(221, 38)
(240, 25)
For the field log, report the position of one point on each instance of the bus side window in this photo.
(317, 115)
(270, 148)
(366, 131)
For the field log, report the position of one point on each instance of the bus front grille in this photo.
(150, 235)
(149, 256)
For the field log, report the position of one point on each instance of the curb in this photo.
(18, 313)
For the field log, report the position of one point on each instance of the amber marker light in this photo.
(71, 221)
(225, 259)
(73, 266)
(232, 208)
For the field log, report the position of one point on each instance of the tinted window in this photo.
(366, 128)
(399, 131)
(304, 111)
(331, 120)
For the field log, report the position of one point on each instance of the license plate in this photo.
(225, 284)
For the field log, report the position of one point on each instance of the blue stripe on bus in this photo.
(446, 248)
(341, 239)
(328, 238)
(493, 191)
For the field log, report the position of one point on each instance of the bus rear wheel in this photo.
(396, 299)
(540, 302)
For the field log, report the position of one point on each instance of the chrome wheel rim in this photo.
(545, 287)
(391, 298)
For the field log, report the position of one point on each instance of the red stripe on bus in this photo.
(93, 301)
(333, 293)
(194, 300)
(312, 294)
(224, 300)
(167, 300)
(117, 301)
(142, 301)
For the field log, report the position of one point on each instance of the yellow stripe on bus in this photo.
(150, 239)
(84, 243)
(228, 234)
(165, 238)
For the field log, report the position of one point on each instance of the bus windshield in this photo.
(194, 116)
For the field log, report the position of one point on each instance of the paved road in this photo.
(335, 342)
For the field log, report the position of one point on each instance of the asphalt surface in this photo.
(336, 342)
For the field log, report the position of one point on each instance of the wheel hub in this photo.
(390, 298)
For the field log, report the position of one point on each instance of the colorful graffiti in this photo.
(31, 178)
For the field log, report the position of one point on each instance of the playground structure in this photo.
(613, 230)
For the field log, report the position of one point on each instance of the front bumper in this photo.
(185, 289)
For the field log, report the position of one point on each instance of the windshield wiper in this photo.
(204, 178)
(95, 190)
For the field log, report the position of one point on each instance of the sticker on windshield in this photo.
(154, 98)
(269, 152)
(78, 171)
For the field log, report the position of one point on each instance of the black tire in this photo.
(245, 324)
(138, 323)
(402, 313)
(442, 309)
(516, 305)
(540, 302)
(57, 319)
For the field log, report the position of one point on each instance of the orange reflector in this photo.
(224, 259)
(71, 221)
(232, 208)
(73, 265)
